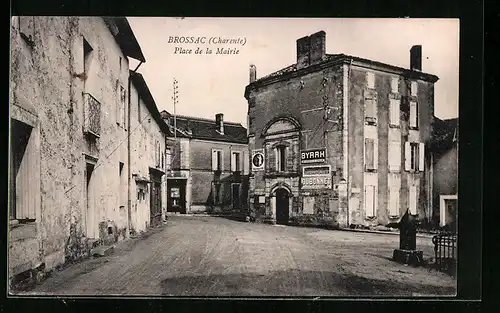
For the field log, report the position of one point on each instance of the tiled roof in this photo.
(201, 128)
(341, 56)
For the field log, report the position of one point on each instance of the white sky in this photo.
(209, 84)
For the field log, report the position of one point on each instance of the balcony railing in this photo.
(92, 115)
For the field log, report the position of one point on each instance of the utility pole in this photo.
(175, 97)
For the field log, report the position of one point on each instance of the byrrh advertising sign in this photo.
(313, 156)
(316, 177)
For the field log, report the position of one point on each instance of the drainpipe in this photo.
(129, 172)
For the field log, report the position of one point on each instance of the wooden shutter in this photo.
(394, 111)
(370, 201)
(421, 156)
(214, 160)
(394, 155)
(233, 161)
(369, 107)
(271, 159)
(394, 201)
(118, 103)
(246, 162)
(413, 200)
(395, 84)
(414, 88)
(407, 156)
(413, 114)
(369, 153)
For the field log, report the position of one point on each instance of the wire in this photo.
(114, 150)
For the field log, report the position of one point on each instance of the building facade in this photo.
(209, 165)
(70, 137)
(338, 140)
(147, 158)
(445, 173)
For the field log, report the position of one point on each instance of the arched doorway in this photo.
(282, 206)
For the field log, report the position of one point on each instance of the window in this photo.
(414, 156)
(394, 112)
(235, 162)
(87, 56)
(413, 114)
(123, 100)
(414, 88)
(395, 85)
(370, 110)
(217, 157)
(370, 200)
(370, 80)
(281, 158)
(393, 200)
(413, 200)
(23, 184)
(370, 154)
(394, 155)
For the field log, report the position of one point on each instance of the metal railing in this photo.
(92, 115)
(445, 250)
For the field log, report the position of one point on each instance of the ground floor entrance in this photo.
(176, 195)
(155, 200)
(282, 206)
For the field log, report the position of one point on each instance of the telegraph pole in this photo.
(175, 97)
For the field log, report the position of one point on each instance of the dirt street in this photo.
(209, 256)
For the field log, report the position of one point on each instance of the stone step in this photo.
(102, 251)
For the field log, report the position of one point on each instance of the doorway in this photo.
(282, 206)
(155, 200)
(176, 195)
(89, 197)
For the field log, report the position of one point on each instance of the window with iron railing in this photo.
(92, 115)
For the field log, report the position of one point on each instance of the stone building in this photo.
(209, 165)
(342, 139)
(444, 148)
(70, 137)
(147, 157)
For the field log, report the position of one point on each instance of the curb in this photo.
(383, 232)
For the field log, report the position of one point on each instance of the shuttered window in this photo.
(394, 155)
(394, 112)
(393, 200)
(395, 85)
(217, 157)
(370, 80)
(413, 114)
(369, 108)
(281, 152)
(235, 161)
(414, 88)
(414, 156)
(168, 160)
(370, 200)
(370, 154)
(413, 200)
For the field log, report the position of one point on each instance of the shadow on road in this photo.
(295, 283)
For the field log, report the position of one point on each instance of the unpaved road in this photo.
(209, 256)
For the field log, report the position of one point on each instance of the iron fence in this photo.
(445, 250)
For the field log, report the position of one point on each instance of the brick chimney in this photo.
(317, 47)
(219, 121)
(311, 49)
(303, 52)
(416, 58)
(253, 73)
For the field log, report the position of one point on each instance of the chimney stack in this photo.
(317, 47)
(219, 120)
(416, 58)
(253, 73)
(311, 49)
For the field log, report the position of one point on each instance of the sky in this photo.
(215, 83)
